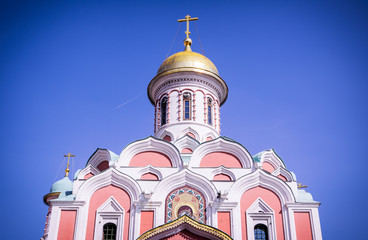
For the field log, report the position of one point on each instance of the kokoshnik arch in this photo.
(185, 182)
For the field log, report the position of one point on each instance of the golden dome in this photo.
(187, 61)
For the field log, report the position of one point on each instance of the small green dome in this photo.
(63, 185)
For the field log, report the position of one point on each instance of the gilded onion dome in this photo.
(187, 60)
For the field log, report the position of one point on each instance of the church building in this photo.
(186, 181)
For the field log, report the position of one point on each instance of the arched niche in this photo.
(222, 145)
(151, 148)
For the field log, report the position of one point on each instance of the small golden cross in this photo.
(187, 19)
(300, 186)
(67, 165)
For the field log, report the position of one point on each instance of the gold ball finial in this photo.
(187, 44)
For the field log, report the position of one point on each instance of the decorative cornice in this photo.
(183, 223)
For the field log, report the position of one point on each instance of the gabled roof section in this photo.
(184, 223)
(100, 155)
(269, 156)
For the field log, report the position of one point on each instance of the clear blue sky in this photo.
(296, 70)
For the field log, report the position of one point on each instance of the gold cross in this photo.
(300, 186)
(67, 165)
(187, 19)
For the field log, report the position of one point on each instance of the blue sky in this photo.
(296, 70)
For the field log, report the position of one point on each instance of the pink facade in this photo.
(221, 177)
(186, 150)
(67, 224)
(303, 226)
(98, 198)
(156, 159)
(217, 159)
(149, 176)
(268, 167)
(185, 235)
(224, 222)
(147, 218)
(271, 199)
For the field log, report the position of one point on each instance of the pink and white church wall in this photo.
(149, 184)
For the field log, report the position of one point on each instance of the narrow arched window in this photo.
(209, 111)
(109, 231)
(260, 232)
(163, 111)
(187, 105)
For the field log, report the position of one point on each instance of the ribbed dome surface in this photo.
(181, 61)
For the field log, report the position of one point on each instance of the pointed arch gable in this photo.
(284, 173)
(270, 157)
(221, 145)
(166, 133)
(150, 144)
(186, 142)
(150, 169)
(223, 170)
(262, 179)
(109, 177)
(182, 178)
(192, 131)
(101, 155)
(89, 169)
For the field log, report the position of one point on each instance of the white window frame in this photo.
(260, 213)
(109, 212)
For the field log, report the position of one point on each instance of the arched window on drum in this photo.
(209, 111)
(260, 232)
(163, 111)
(187, 106)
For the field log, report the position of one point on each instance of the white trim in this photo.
(88, 169)
(186, 142)
(260, 213)
(164, 133)
(312, 209)
(190, 130)
(221, 145)
(99, 156)
(150, 169)
(150, 144)
(108, 177)
(223, 170)
(109, 212)
(283, 172)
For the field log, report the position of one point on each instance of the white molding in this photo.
(164, 133)
(283, 172)
(221, 145)
(88, 169)
(150, 169)
(109, 212)
(265, 180)
(312, 209)
(186, 142)
(260, 213)
(190, 130)
(223, 170)
(108, 177)
(272, 158)
(150, 144)
(99, 156)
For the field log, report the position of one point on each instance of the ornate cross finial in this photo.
(187, 19)
(300, 186)
(67, 165)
